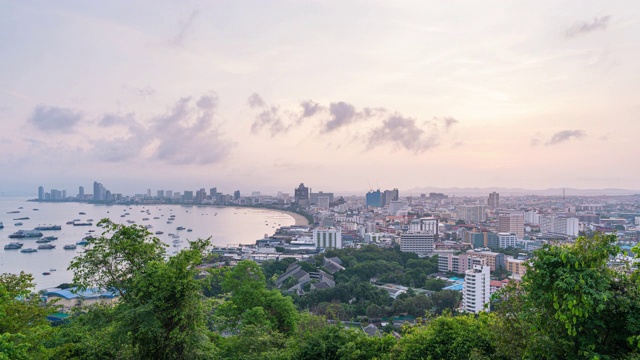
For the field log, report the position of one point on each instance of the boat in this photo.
(1, 225)
(50, 238)
(25, 233)
(76, 220)
(29, 250)
(36, 209)
(180, 228)
(82, 213)
(22, 218)
(176, 241)
(145, 219)
(155, 217)
(69, 247)
(82, 242)
(52, 269)
(131, 221)
(149, 226)
(82, 224)
(69, 222)
(189, 230)
(48, 227)
(46, 247)
(169, 222)
(13, 212)
(159, 233)
(43, 241)
(46, 273)
(89, 220)
(13, 246)
(18, 224)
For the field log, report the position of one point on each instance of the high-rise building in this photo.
(99, 191)
(201, 195)
(188, 195)
(420, 243)
(169, 193)
(373, 199)
(301, 195)
(512, 223)
(506, 240)
(471, 214)
(64, 194)
(314, 197)
(81, 192)
(212, 193)
(236, 195)
(494, 200)
(494, 260)
(56, 194)
(160, 194)
(40, 193)
(389, 196)
(476, 292)
(426, 224)
(327, 237)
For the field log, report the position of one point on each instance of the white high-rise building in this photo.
(471, 214)
(396, 205)
(424, 225)
(532, 217)
(327, 238)
(420, 243)
(476, 290)
(506, 240)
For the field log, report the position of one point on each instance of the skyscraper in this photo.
(40, 193)
(494, 200)
(476, 290)
(80, 192)
(512, 223)
(374, 198)
(301, 195)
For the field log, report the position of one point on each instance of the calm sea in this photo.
(225, 225)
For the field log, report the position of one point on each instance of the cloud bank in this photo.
(54, 119)
(585, 27)
(565, 135)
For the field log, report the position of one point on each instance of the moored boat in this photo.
(13, 246)
(70, 247)
(46, 247)
(25, 233)
(48, 227)
(28, 250)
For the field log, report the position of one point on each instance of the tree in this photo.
(447, 337)
(163, 314)
(23, 324)
(571, 305)
(113, 259)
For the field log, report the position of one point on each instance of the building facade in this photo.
(476, 291)
(420, 243)
(327, 238)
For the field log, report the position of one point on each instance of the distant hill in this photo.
(518, 191)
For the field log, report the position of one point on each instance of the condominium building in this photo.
(471, 214)
(427, 224)
(506, 240)
(494, 200)
(476, 290)
(327, 238)
(420, 243)
(512, 223)
(493, 260)
(516, 266)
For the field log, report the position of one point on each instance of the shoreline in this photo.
(299, 219)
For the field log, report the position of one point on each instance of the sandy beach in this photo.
(299, 219)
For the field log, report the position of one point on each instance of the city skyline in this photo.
(343, 96)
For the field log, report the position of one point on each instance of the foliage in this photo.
(447, 337)
(113, 259)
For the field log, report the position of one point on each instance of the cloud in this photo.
(270, 120)
(109, 120)
(565, 135)
(584, 27)
(183, 29)
(310, 108)
(255, 101)
(402, 132)
(449, 122)
(54, 119)
(185, 135)
(342, 114)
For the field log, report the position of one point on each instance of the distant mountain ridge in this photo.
(519, 191)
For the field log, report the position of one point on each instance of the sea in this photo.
(224, 225)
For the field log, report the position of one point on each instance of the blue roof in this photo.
(454, 287)
(89, 293)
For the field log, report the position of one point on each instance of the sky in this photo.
(341, 95)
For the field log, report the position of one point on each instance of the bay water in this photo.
(225, 226)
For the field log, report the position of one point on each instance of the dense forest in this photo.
(571, 305)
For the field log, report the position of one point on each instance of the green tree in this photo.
(447, 337)
(113, 259)
(23, 324)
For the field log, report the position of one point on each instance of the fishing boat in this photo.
(70, 247)
(28, 250)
